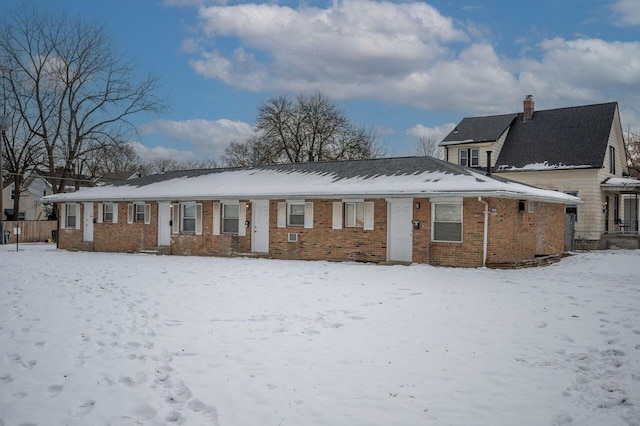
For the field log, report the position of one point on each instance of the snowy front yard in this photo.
(115, 339)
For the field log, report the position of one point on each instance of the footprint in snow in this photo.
(54, 390)
(83, 408)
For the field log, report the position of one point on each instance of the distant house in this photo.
(414, 209)
(31, 200)
(576, 150)
(113, 177)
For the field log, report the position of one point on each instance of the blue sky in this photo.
(401, 68)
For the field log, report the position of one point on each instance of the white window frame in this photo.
(471, 157)
(290, 206)
(357, 219)
(132, 213)
(187, 219)
(76, 210)
(434, 223)
(572, 206)
(225, 218)
(284, 216)
(103, 213)
(612, 160)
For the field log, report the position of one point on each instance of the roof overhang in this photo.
(627, 185)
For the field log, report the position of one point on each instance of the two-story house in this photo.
(31, 203)
(577, 150)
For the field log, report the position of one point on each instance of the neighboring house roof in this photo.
(574, 137)
(388, 177)
(479, 129)
(621, 184)
(112, 177)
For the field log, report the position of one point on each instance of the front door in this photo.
(87, 234)
(164, 223)
(260, 219)
(399, 230)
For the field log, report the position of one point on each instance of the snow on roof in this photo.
(623, 181)
(409, 176)
(541, 166)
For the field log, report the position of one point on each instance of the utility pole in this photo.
(4, 125)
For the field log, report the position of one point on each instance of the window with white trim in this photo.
(295, 216)
(572, 208)
(446, 222)
(107, 213)
(188, 217)
(139, 215)
(469, 157)
(230, 216)
(354, 215)
(612, 160)
(71, 215)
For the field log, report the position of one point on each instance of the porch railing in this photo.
(622, 227)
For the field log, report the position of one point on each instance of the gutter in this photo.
(485, 236)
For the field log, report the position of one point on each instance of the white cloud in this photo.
(437, 132)
(407, 53)
(159, 152)
(208, 138)
(350, 43)
(627, 12)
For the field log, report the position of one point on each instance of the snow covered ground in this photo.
(121, 339)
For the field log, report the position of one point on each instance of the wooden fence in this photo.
(31, 230)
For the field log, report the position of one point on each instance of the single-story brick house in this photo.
(412, 209)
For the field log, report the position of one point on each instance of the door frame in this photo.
(87, 221)
(259, 225)
(393, 224)
(164, 222)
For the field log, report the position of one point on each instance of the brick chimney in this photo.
(528, 108)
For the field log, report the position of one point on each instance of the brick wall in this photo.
(323, 242)
(513, 235)
(123, 236)
(208, 244)
(467, 253)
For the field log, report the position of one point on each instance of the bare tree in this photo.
(311, 128)
(428, 146)
(632, 148)
(161, 165)
(110, 159)
(72, 91)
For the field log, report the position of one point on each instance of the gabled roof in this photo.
(479, 129)
(563, 138)
(388, 177)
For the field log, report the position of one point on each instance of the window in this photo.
(447, 222)
(612, 160)
(296, 214)
(188, 217)
(71, 216)
(572, 208)
(107, 214)
(532, 207)
(139, 214)
(469, 157)
(230, 218)
(13, 194)
(353, 215)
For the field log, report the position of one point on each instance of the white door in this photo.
(164, 223)
(87, 234)
(399, 230)
(260, 219)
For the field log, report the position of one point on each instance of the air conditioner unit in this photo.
(293, 237)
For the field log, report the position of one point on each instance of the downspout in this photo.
(485, 237)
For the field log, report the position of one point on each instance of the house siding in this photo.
(513, 236)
